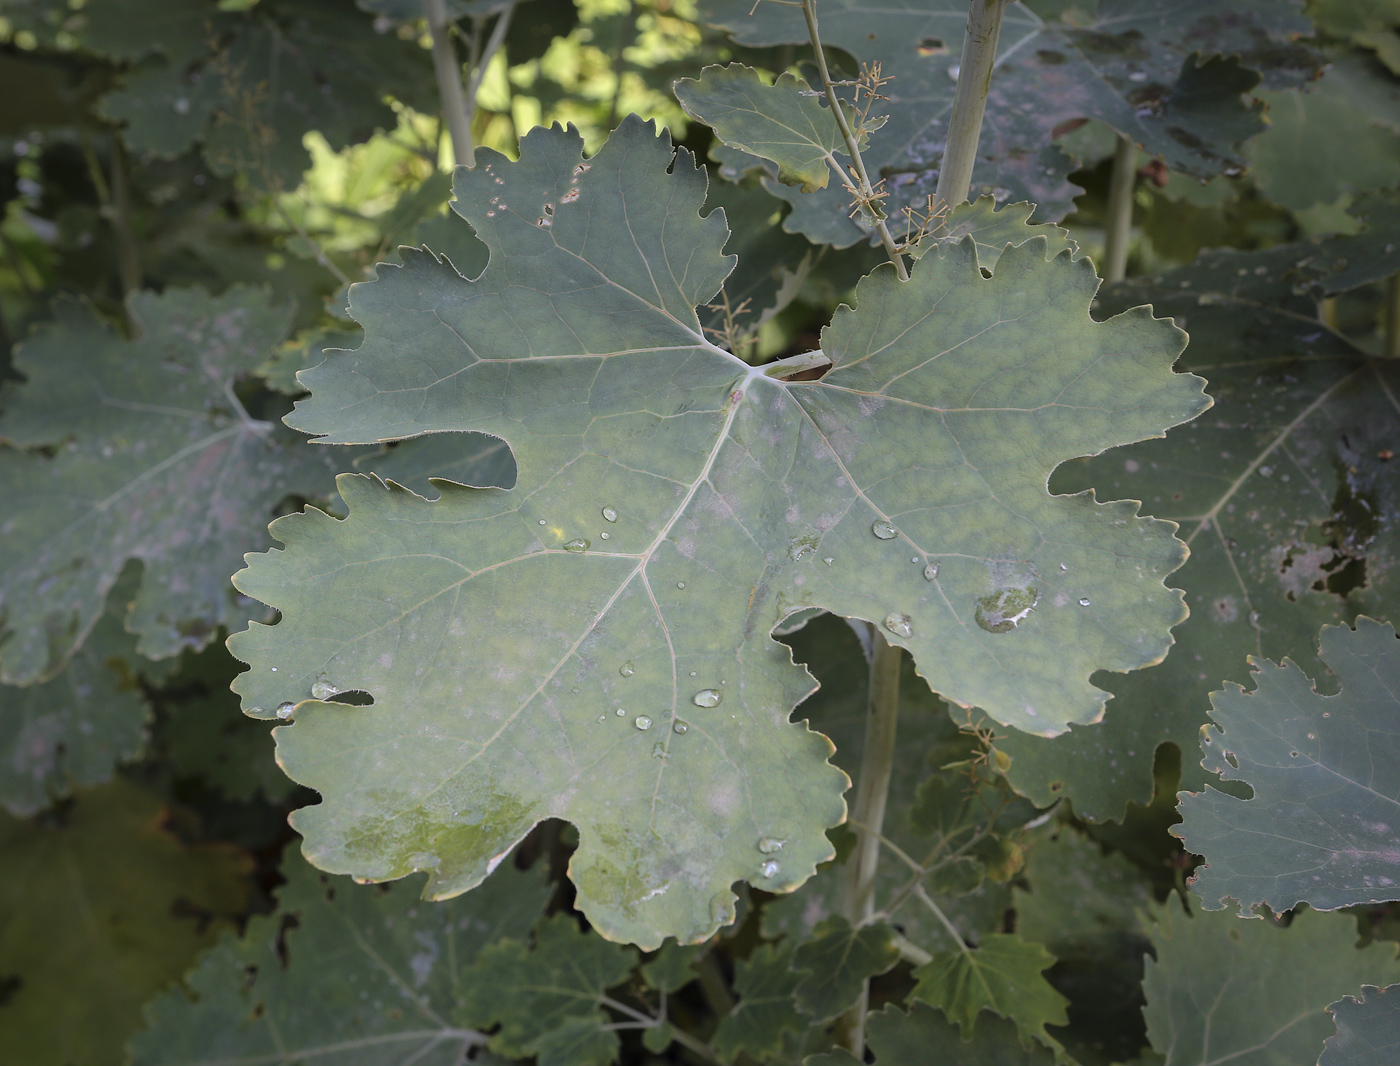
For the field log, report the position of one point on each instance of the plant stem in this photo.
(449, 82)
(865, 191)
(872, 795)
(481, 62)
(1120, 210)
(1392, 317)
(969, 102)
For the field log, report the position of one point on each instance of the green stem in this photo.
(449, 82)
(1392, 317)
(969, 102)
(864, 190)
(1120, 210)
(868, 818)
(483, 61)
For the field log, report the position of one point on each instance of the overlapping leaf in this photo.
(766, 1015)
(340, 973)
(1286, 493)
(98, 911)
(1325, 771)
(251, 86)
(1252, 993)
(547, 1000)
(155, 459)
(72, 731)
(1004, 974)
(593, 643)
(1136, 66)
(836, 961)
(922, 1035)
(1368, 1029)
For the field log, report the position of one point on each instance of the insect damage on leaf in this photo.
(593, 643)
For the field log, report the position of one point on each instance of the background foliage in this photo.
(1208, 871)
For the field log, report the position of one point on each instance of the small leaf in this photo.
(1004, 975)
(546, 998)
(783, 122)
(339, 973)
(1225, 990)
(837, 961)
(1325, 770)
(671, 970)
(658, 1038)
(766, 1014)
(1368, 1029)
(995, 228)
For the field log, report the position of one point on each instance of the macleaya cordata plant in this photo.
(725, 701)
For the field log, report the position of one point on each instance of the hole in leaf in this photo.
(354, 697)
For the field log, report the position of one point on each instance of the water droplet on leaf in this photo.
(610, 513)
(828, 560)
(621, 712)
(1001, 612)
(930, 571)
(542, 522)
(627, 669)
(578, 544)
(769, 868)
(679, 728)
(899, 624)
(322, 689)
(284, 710)
(1084, 602)
(707, 697)
(680, 584)
(605, 535)
(884, 530)
(642, 722)
(768, 845)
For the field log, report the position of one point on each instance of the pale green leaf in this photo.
(99, 910)
(156, 460)
(924, 1036)
(1004, 974)
(1368, 1029)
(1252, 992)
(672, 506)
(339, 973)
(785, 122)
(837, 961)
(1131, 65)
(766, 1015)
(993, 229)
(1325, 771)
(1340, 136)
(1284, 502)
(546, 998)
(72, 731)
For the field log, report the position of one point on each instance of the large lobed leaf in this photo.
(1368, 1029)
(1252, 993)
(1325, 771)
(593, 644)
(1285, 493)
(1139, 66)
(155, 459)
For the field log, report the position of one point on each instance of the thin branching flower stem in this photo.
(449, 82)
(1119, 226)
(872, 796)
(865, 191)
(969, 102)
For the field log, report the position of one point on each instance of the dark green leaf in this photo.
(1004, 975)
(670, 971)
(924, 1036)
(766, 1014)
(546, 998)
(1325, 771)
(1368, 1029)
(340, 973)
(1252, 992)
(1285, 494)
(100, 908)
(837, 961)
